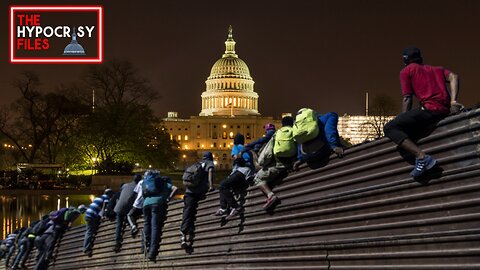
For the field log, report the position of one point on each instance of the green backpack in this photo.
(284, 145)
(306, 126)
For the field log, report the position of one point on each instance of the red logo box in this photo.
(16, 11)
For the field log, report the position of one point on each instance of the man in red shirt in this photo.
(429, 85)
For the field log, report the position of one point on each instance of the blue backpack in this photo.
(152, 185)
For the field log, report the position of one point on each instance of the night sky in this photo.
(321, 54)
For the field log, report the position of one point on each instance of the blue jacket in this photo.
(258, 143)
(327, 124)
(238, 148)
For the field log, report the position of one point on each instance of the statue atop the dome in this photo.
(230, 32)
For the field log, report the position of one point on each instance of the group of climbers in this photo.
(42, 234)
(307, 138)
(148, 195)
(313, 136)
(297, 141)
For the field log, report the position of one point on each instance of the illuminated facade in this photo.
(361, 128)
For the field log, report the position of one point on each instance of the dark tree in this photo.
(39, 124)
(122, 128)
(381, 111)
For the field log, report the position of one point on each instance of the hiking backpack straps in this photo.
(284, 145)
(265, 155)
(193, 175)
(305, 127)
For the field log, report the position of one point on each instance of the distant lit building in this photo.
(360, 128)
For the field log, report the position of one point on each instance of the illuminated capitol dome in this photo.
(229, 88)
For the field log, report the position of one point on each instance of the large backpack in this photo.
(151, 185)
(193, 175)
(40, 227)
(306, 126)
(58, 216)
(284, 145)
(265, 156)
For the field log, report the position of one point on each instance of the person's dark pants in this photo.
(414, 124)
(120, 226)
(51, 242)
(90, 232)
(133, 215)
(234, 182)
(10, 252)
(43, 243)
(25, 247)
(190, 205)
(45, 254)
(154, 216)
(40, 244)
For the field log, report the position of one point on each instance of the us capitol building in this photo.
(229, 106)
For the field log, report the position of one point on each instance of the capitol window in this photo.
(231, 135)
(179, 137)
(224, 135)
(186, 137)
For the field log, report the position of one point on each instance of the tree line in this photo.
(62, 125)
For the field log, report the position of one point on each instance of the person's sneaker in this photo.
(89, 253)
(423, 165)
(117, 247)
(183, 241)
(233, 213)
(270, 201)
(152, 258)
(134, 231)
(220, 212)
